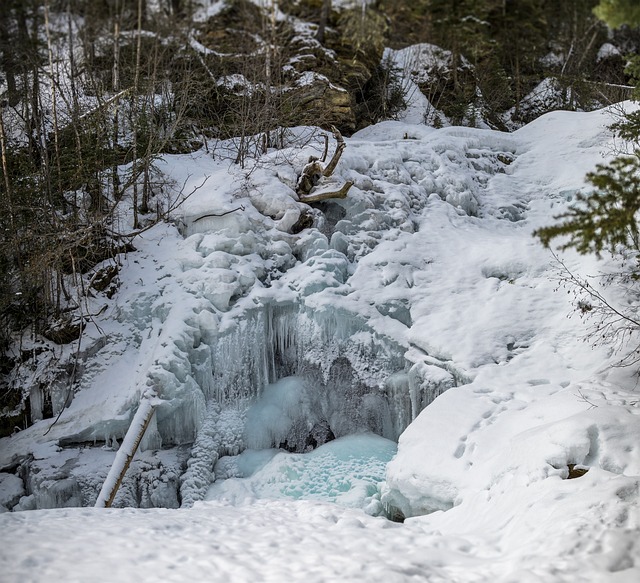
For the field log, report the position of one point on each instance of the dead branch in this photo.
(172, 207)
(326, 148)
(314, 171)
(240, 208)
(328, 171)
(342, 193)
(106, 103)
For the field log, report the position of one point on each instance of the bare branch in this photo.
(594, 294)
(326, 148)
(328, 171)
(161, 216)
(342, 193)
(240, 208)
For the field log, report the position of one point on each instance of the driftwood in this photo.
(342, 193)
(314, 171)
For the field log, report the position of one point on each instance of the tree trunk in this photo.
(115, 178)
(54, 106)
(9, 197)
(324, 18)
(127, 450)
(8, 63)
(134, 103)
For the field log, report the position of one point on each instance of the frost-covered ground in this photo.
(425, 283)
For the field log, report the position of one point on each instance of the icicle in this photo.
(204, 454)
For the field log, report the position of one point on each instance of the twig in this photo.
(72, 381)
(593, 293)
(163, 215)
(240, 208)
(583, 398)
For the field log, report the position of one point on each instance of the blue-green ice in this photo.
(346, 471)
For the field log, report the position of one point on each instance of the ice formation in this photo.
(254, 337)
(347, 470)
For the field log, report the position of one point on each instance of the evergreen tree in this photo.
(619, 12)
(608, 218)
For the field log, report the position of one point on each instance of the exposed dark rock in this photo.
(64, 330)
(395, 514)
(300, 441)
(304, 222)
(323, 103)
(103, 277)
(319, 435)
(576, 472)
(15, 412)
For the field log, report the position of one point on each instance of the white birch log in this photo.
(128, 448)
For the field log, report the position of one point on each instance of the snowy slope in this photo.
(425, 283)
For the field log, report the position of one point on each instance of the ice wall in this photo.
(72, 476)
(277, 340)
(335, 350)
(331, 304)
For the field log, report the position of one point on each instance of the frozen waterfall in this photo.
(255, 337)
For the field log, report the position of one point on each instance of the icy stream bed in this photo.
(347, 471)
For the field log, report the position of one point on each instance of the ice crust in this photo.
(418, 309)
(239, 303)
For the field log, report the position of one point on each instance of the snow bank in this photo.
(499, 440)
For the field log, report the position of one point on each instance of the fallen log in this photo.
(128, 448)
(314, 171)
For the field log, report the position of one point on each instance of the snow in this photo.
(205, 9)
(258, 541)
(419, 309)
(349, 4)
(417, 65)
(547, 96)
(607, 51)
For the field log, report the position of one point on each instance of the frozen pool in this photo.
(345, 471)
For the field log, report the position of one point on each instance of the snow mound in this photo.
(507, 441)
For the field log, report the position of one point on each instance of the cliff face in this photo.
(499, 67)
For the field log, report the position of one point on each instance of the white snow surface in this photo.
(606, 51)
(417, 65)
(425, 291)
